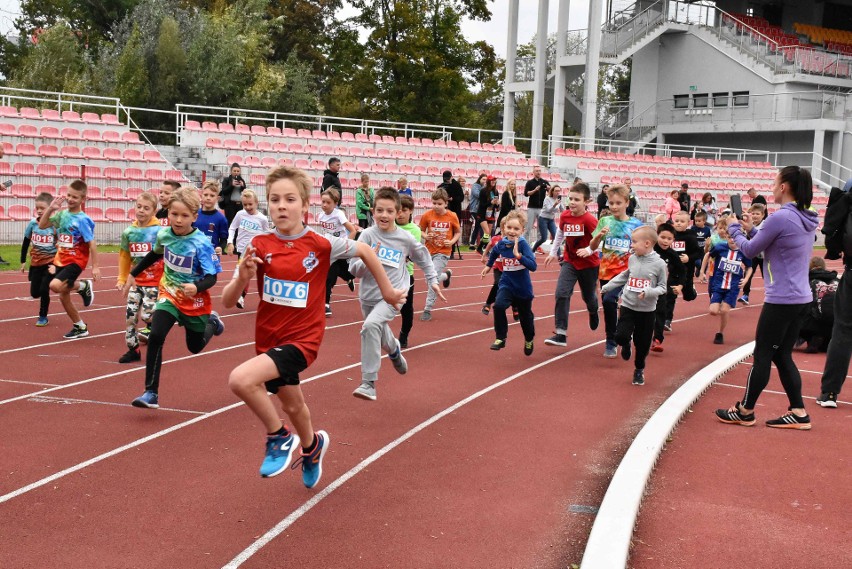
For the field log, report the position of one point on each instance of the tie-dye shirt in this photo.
(186, 259)
(615, 247)
(75, 231)
(136, 242)
(42, 243)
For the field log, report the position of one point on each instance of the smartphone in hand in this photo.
(737, 206)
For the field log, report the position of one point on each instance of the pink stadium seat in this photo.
(267, 162)
(234, 159)
(231, 144)
(174, 175)
(48, 151)
(154, 174)
(96, 213)
(247, 145)
(333, 135)
(209, 126)
(132, 155)
(29, 113)
(369, 151)
(19, 212)
(94, 193)
(70, 134)
(91, 135)
(288, 132)
(28, 130)
(113, 173)
(192, 125)
(243, 129)
(302, 164)
(69, 171)
(252, 161)
(288, 162)
(7, 111)
(134, 174)
(259, 130)
(303, 133)
(213, 143)
(45, 188)
(26, 149)
(5, 168)
(70, 116)
(264, 146)
(131, 137)
(319, 134)
(110, 136)
(23, 169)
(347, 136)
(361, 137)
(280, 147)
(22, 191)
(91, 172)
(114, 214)
(134, 192)
(110, 119)
(44, 171)
(113, 193)
(318, 164)
(112, 154)
(91, 117)
(226, 127)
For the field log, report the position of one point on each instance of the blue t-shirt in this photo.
(701, 234)
(516, 272)
(727, 272)
(214, 225)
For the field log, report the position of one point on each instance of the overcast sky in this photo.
(494, 32)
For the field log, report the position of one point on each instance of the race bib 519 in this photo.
(573, 230)
(285, 293)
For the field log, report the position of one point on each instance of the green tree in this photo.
(305, 28)
(170, 65)
(92, 19)
(55, 63)
(288, 87)
(131, 81)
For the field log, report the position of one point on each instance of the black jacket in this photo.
(690, 241)
(676, 270)
(456, 193)
(486, 208)
(536, 200)
(684, 200)
(330, 179)
(603, 201)
(228, 189)
(838, 226)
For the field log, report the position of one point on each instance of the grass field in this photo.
(12, 254)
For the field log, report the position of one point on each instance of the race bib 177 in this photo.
(178, 263)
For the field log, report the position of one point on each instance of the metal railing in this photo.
(616, 40)
(10, 96)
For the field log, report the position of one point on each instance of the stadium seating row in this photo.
(69, 133)
(652, 158)
(54, 115)
(85, 152)
(87, 172)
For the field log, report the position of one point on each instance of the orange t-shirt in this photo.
(439, 230)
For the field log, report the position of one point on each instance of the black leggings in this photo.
(408, 309)
(640, 327)
(660, 316)
(492, 294)
(161, 325)
(776, 334)
(526, 316)
(755, 263)
(338, 269)
(40, 278)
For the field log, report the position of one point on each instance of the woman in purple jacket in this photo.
(786, 240)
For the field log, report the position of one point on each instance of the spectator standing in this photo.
(364, 202)
(230, 196)
(603, 200)
(456, 194)
(536, 191)
(330, 178)
(708, 206)
(633, 202)
(473, 208)
(508, 201)
(489, 204)
(838, 232)
(755, 197)
(683, 197)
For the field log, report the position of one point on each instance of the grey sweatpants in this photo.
(440, 263)
(376, 335)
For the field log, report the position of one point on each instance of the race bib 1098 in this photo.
(285, 293)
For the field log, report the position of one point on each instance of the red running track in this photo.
(752, 496)
(473, 459)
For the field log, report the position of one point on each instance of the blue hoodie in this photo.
(786, 239)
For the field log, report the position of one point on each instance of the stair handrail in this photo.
(659, 8)
(629, 123)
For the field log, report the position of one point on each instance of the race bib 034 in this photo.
(389, 257)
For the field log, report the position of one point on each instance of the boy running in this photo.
(334, 222)
(403, 221)
(247, 223)
(392, 245)
(291, 266)
(730, 267)
(677, 273)
(210, 220)
(442, 230)
(702, 235)
(575, 229)
(166, 190)
(685, 244)
(75, 244)
(42, 253)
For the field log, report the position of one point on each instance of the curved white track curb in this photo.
(609, 542)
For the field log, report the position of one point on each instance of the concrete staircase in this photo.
(190, 161)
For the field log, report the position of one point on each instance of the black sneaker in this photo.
(626, 352)
(735, 416)
(241, 302)
(790, 421)
(486, 309)
(515, 315)
(667, 326)
(594, 320)
(528, 348)
(132, 355)
(446, 283)
(328, 310)
(638, 377)
(557, 340)
(403, 341)
(498, 344)
(351, 284)
(827, 400)
(87, 293)
(77, 332)
(719, 339)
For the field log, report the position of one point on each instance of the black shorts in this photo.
(68, 274)
(290, 361)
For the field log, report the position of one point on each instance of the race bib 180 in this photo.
(389, 257)
(178, 263)
(139, 249)
(620, 244)
(285, 293)
(638, 285)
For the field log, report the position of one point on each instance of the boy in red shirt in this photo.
(75, 244)
(576, 226)
(291, 266)
(441, 231)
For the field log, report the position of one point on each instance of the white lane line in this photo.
(158, 434)
(282, 526)
(70, 401)
(29, 382)
(774, 392)
(800, 369)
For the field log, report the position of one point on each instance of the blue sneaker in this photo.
(610, 351)
(218, 325)
(312, 463)
(279, 451)
(148, 400)
(42, 321)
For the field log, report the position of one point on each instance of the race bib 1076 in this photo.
(285, 293)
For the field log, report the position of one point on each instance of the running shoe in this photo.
(498, 345)
(626, 352)
(610, 352)
(744, 299)
(279, 452)
(88, 293)
(148, 400)
(446, 283)
(486, 309)
(638, 377)
(132, 355)
(218, 325)
(515, 315)
(241, 302)
(77, 332)
(351, 284)
(719, 338)
(827, 400)
(594, 320)
(557, 340)
(735, 416)
(790, 421)
(528, 348)
(667, 326)
(367, 390)
(657, 346)
(143, 334)
(328, 310)
(42, 321)
(403, 341)
(398, 361)
(426, 316)
(312, 462)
